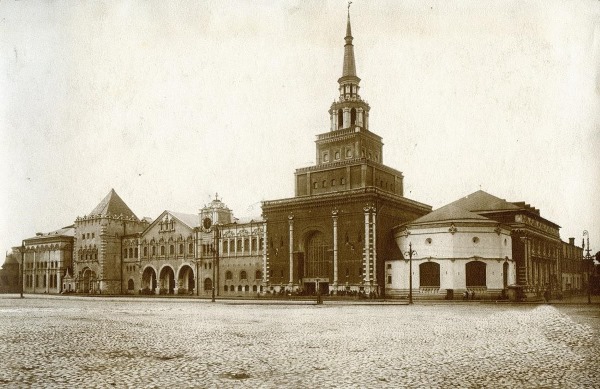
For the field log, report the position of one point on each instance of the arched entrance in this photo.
(429, 275)
(88, 281)
(475, 274)
(186, 279)
(130, 285)
(148, 280)
(316, 269)
(167, 280)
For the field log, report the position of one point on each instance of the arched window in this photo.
(226, 288)
(130, 285)
(181, 249)
(239, 288)
(171, 249)
(261, 243)
(162, 250)
(254, 288)
(429, 274)
(228, 275)
(130, 252)
(353, 116)
(191, 248)
(258, 275)
(124, 254)
(225, 247)
(135, 252)
(243, 275)
(239, 245)
(247, 288)
(246, 244)
(207, 284)
(475, 274)
(231, 246)
(340, 118)
(153, 250)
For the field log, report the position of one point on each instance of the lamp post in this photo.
(410, 254)
(588, 260)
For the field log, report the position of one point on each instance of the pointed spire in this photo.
(349, 63)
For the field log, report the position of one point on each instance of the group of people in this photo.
(469, 295)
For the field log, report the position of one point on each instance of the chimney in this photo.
(572, 241)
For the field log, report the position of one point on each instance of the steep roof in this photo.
(190, 219)
(449, 212)
(113, 205)
(483, 201)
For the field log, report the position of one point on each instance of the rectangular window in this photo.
(389, 279)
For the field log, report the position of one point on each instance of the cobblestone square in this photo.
(187, 343)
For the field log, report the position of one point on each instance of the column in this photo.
(374, 232)
(291, 249)
(265, 267)
(367, 250)
(333, 119)
(346, 117)
(334, 216)
(359, 115)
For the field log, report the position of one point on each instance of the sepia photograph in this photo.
(300, 194)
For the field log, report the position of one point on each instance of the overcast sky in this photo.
(169, 102)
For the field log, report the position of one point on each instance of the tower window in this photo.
(353, 116)
(315, 184)
(323, 183)
(340, 118)
(343, 181)
(348, 153)
(332, 182)
(337, 155)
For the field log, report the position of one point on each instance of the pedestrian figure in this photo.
(472, 295)
(547, 295)
(466, 295)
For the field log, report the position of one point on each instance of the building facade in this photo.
(571, 269)
(47, 260)
(335, 234)
(453, 251)
(10, 272)
(241, 265)
(97, 256)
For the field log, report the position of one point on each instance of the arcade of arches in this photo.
(165, 283)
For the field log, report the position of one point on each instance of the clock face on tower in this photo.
(207, 223)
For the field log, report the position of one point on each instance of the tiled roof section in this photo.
(249, 219)
(113, 205)
(68, 231)
(449, 212)
(483, 201)
(190, 219)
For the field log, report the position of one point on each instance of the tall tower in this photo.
(349, 156)
(98, 256)
(335, 234)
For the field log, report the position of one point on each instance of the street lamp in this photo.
(207, 224)
(588, 260)
(410, 254)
